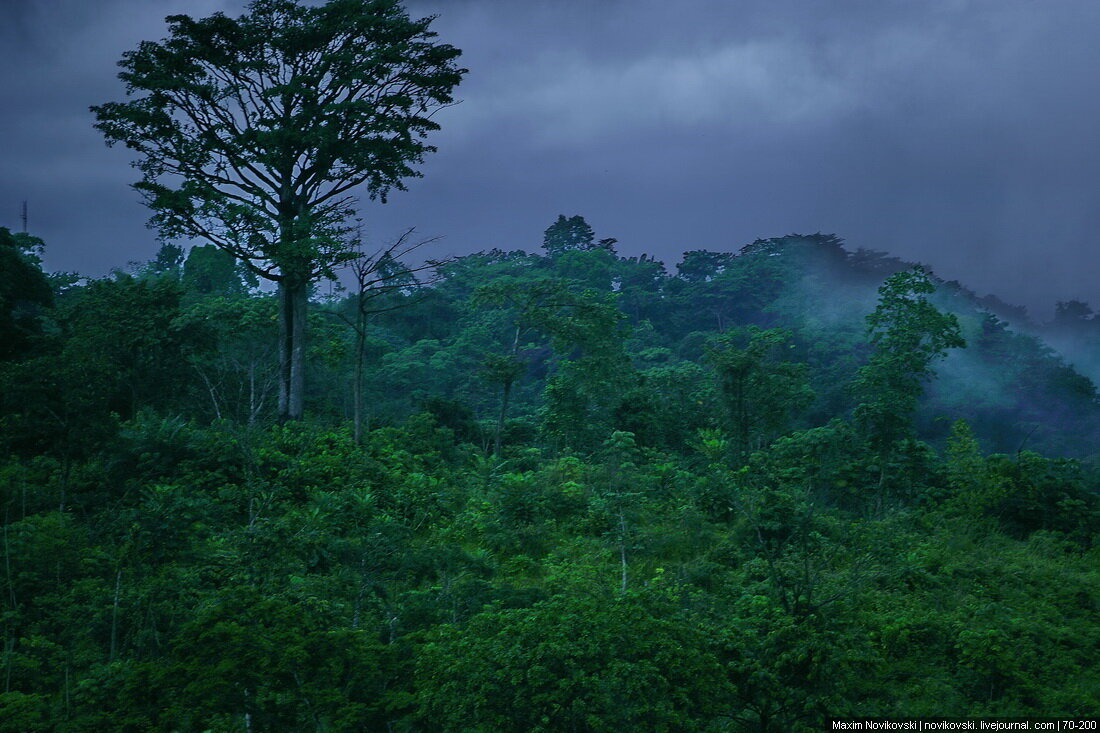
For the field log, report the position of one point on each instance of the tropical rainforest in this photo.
(570, 490)
(273, 479)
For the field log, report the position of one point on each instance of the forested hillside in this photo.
(569, 490)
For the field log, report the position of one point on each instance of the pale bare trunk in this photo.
(293, 300)
(507, 394)
(252, 411)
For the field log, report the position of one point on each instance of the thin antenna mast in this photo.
(24, 216)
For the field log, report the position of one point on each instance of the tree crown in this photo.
(252, 132)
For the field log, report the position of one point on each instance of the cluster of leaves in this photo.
(586, 494)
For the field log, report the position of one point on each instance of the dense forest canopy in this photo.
(771, 486)
(540, 489)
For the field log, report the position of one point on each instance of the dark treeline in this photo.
(559, 491)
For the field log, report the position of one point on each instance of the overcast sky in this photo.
(964, 134)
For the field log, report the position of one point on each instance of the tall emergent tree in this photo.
(253, 133)
(760, 391)
(909, 335)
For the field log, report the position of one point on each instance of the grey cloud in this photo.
(958, 133)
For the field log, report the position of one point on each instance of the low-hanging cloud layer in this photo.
(960, 133)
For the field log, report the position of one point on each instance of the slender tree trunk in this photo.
(9, 650)
(502, 417)
(213, 393)
(65, 467)
(507, 394)
(7, 564)
(114, 615)
(298, 354)
(286, 335)
(293, 300)
(880, 494)
(357, 387)
(622, 551)
(252, 411)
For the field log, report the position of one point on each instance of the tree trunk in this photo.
(293, 300)
(114, 615)
(502, 417)
(622, 550)
(508, 382)
(357, 386)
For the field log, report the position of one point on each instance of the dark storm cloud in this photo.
(961, 134)
(58, 58)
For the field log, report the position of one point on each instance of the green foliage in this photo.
(761, 393)
(251, 132)
(24, 293)
(238, 375)
(279, 661)
(124, 347)
(788, 673)
(908, 334)
(584, 495)
(701, 265)
(582, 664)
(212, 271)
(258, 187)
(565, 234)
(584, 396)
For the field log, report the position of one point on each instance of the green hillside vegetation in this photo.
(565, 491)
